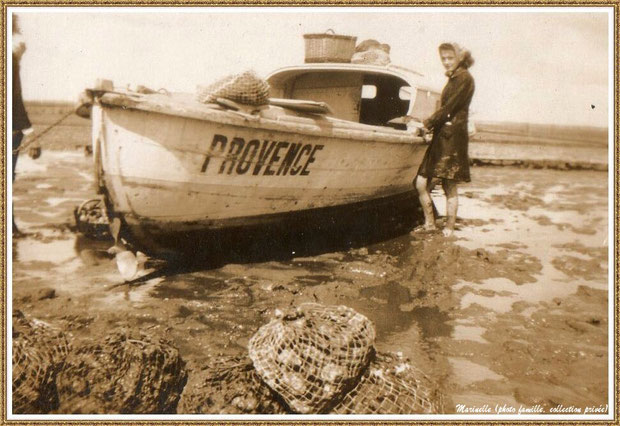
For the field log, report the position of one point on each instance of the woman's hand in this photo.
(425, 134)
(19, 45)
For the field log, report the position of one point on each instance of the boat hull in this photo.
(170, 173)
(284, 235)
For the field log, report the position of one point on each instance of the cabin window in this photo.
(405, 93)
(388, 102)
(369, 91)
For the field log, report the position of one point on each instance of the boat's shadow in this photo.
(288, 239)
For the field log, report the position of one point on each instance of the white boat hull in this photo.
(167, 173)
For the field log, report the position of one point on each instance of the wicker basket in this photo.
(329, 47)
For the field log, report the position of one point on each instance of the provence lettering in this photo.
(267, 158)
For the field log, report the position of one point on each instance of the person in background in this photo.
(21, 123)
(446, 157)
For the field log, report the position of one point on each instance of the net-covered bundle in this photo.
(371, 52)
(313, 354)
(230, 386)
(128, 374)
(391, 385)
(246, 88)
(39, 351)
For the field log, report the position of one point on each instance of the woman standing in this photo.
(446, 158)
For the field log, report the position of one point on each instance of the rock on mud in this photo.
(46, 293)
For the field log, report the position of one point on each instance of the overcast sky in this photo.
(531, 66)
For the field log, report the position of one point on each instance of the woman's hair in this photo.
(463, 55)
(442, 46)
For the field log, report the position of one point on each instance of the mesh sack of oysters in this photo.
(245, 88)
(312, 354)
(39, 351)
(127, 373)
(391, 385)
(230, 385)
(312, 360)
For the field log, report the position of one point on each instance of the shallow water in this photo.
(512, 310)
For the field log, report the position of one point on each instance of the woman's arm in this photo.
(463, 91)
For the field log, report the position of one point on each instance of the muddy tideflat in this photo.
(511, 312)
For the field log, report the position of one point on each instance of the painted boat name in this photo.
(267, 158)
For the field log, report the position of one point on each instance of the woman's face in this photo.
(448, 59)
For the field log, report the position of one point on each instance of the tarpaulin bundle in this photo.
(245, 88)
(371, 52)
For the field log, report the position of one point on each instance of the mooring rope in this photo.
(29, 142)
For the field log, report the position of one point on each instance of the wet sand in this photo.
(512, 310)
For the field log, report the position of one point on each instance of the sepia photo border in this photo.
(284, 420)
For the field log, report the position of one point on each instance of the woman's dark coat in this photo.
(20, 117)
(447, 157)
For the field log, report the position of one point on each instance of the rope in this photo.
(40, 135)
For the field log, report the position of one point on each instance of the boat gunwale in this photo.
(334, 128)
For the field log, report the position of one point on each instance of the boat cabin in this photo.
(367, 94)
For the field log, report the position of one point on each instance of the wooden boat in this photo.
(171, 167)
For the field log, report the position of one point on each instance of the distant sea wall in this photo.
(540, 146)
(538, 156)
(505, 131)
(515, 144)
